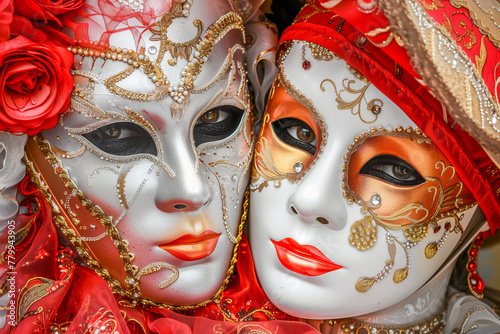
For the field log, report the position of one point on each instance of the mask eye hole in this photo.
(393, 170)
(122, 139)
(296, 133)
(217, 123)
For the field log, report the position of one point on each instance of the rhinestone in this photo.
(152, 50)
(297, 168)
(376, 199)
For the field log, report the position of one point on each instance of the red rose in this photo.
(43, 10)
(35, 85)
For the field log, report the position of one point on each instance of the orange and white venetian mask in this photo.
(352, 207)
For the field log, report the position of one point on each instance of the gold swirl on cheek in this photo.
(274, 159)
(392, 203)
(405, 205)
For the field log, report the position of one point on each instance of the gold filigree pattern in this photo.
(449, 199)
(431, 5)
(482, 12)
(391, 37)
(195, 52)
(374, 105)
(177, 50)
(467, 38)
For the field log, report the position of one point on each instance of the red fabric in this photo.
(53, 292)
(475, 168)
(6, 12)
(458, 22)
(112, 15)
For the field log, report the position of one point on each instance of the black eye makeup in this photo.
(296, 133)
(216, 124)
(393, 170)
(122, 139)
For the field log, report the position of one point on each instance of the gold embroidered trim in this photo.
(433, 325)
(447, 70)
(485, 15)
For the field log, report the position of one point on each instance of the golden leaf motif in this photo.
(431, 5)
(431, 250)
(364, 284)
(416, 233)
(363, 233)
(30, 295)
(400, 275)
(392, 250)
(482, 56)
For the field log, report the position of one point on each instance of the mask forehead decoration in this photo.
(274, 164)
(119, 122)
(194, 52)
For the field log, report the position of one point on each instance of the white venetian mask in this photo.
(352, 207)
(159, 139)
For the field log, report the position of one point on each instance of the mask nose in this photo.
(182, 204)
(318, 197)
(189, 190)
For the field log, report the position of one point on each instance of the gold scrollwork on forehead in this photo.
(195, 52)
(374, 106)
(177, 50)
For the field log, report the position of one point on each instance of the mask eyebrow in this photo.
(229, 63)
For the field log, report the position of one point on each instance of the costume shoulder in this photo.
(467, 314)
